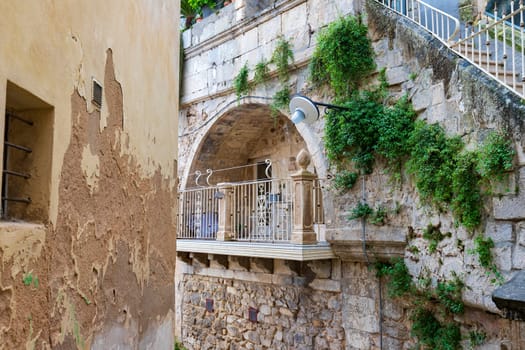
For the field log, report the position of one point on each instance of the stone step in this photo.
(468, 52)
(492, 70)
(491, 62)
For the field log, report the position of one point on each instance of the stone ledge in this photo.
(285, 251)
(382, 242)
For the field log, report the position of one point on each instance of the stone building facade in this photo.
(89, 163)
(337, 301)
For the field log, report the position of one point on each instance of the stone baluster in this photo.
(303, 186)
(225, 232)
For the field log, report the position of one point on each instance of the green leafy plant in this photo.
(444, 301)
(282, 57)
(262, 72)
(353, 133)
(368, 128)
(179, 346)
(29, 280)
(343, 56)
(434, 236)
(432, 162)
(399, 279)
(476, 338)
(197, 5)
(395, 126)
(240, 82)
(466, 204)
(496, 156)
(345, 180)
(449, 294)
(378, 217)
(482, 247)
(362, 210)
(281, 99)
(432, 333)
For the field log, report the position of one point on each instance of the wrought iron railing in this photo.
(494, 44)
(260, 211)
(198, 216)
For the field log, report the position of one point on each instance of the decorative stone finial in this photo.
(303, 159)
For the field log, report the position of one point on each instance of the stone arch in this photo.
(246, 133)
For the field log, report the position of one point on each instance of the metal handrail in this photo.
(481, 45)
(427, 16)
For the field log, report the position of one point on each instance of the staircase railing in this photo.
(495, 45)
(444, 26)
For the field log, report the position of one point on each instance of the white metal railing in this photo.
(198, 216)
(444, 26)
(495, 45)
(261, 211)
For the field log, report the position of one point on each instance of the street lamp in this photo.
(304, 109)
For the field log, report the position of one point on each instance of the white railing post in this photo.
(303, 186)
(225, 232)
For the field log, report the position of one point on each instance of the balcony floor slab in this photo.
(282, 250)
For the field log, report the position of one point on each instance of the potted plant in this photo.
(204, 7)
(187, 12)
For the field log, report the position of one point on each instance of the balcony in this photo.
(273, 218)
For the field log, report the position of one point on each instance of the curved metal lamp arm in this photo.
(303, 108)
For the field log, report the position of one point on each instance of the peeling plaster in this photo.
(21, 244)
(90, 168)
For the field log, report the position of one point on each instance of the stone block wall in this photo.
(297, 307)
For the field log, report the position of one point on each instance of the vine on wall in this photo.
(281, 58)
(446, 174)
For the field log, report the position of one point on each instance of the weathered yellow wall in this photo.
(104, 254)
(52, 48)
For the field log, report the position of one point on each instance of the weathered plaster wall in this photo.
(103, 250)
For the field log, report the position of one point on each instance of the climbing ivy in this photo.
(240, 83)
(495, 156)
(399, 279)
(282, 57)
(466, 203)
(345, 180)
(433, 333)
(343, 56)
(444, 300)
(281, 99)
(431, 162)
(262, 72)
(434, 236)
